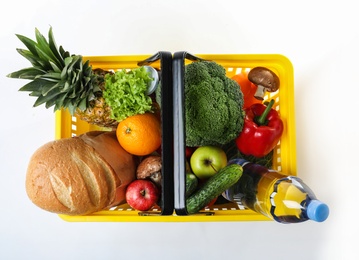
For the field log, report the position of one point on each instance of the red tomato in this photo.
(211, 203)
(247, 87)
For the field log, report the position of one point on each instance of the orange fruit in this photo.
(139, 134)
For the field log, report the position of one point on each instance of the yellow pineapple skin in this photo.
(98, 113)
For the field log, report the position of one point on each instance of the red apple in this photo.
(142, 194)
(189, 151)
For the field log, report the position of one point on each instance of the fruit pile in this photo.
(140, 135)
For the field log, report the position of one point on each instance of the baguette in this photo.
(80, 175)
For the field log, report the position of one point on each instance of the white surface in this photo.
(321, 38)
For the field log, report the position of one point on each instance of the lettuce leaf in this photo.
(125, 93)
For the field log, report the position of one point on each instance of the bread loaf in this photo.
(80, 175)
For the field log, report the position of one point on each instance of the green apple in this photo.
(207, 161)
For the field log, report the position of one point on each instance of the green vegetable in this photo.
(213, 187)
(232, 152)
(213, 105)
(125, 93)
(191, 183)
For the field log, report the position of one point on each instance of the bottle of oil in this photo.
(286, 199)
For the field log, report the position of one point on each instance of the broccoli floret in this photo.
(213, 105)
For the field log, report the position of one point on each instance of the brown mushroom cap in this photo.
(150, 168)
(262, 76)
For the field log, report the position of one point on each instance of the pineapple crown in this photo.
(57, 78)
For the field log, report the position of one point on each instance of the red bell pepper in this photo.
(261, 132)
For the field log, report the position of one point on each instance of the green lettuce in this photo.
(125, 93)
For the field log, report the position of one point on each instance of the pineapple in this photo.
(64, 81)
(98, 112)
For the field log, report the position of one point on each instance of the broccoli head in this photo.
(214, 112)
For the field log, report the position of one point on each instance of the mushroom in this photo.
(150, 168)
(264, 79)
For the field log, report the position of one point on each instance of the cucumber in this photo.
(213, 187)
(191, 183)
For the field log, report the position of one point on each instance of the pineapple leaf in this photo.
(76, 61)
(66, 86)
(74, 93)
(45, 58)
(30, 44)
(35, 93)
(71, 109)
(36, 86)
(64, 74)
(96, 89)
(87, 68)
(86, 80)
(46, 91)
(58, 78)
(82, 104)
(66, 102)
(90, 97)
(55, 67)
(51, 102)
(52, 76)
(64, 54)
(27, 73)
(43, 99)
(42, 42)
(54, 49)
(35, 60)
(44, 50)
(59, 102)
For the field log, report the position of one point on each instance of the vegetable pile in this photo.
(221, 119)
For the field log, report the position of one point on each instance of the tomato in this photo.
(211, 203)
(248, 89)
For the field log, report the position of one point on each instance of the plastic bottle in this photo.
(286, 199)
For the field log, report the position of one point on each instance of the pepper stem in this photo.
(262, 119)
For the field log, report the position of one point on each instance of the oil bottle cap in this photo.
(317, 211)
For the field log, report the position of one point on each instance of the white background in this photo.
(321, 38)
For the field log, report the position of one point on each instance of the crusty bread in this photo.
(123, 163)
(79, 175)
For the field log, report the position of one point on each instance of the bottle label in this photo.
(286, 200)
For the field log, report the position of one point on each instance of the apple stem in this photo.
(213, 168)
(143, 192)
